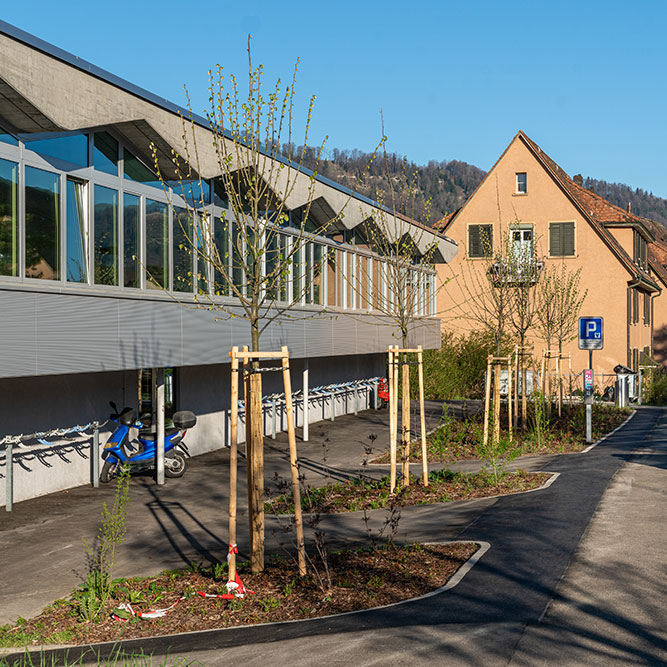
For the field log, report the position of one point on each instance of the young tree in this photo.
(486, 290)
(257, 249)
(407, 275)
(525, 270)
(559, 301)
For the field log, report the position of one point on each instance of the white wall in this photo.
(47, 402)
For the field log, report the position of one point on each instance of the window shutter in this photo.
(486, 238)
(568, 238)
(474, 241)
(555, 239)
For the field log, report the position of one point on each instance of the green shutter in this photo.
(474, 241)
(561, 239)
(555, 239)
(568, 238)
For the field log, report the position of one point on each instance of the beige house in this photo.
(527, 198)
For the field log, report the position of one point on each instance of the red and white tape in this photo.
(235, 589)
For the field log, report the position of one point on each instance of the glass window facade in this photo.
(76, 240)
(128, 231)
(9, 219)
(131, 234)
(72, 148)
(135, 170)
(42, 224)
(157, 245)
(106, 236)
(183, 250)
(105, 153)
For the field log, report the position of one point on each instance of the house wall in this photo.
(497, 203)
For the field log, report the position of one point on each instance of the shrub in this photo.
(655, 387)
(456, 370)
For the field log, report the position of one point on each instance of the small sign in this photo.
(588, 385)
(591, 336)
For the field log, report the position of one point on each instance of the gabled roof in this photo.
(596, 210)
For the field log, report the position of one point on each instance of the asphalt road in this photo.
(575, 575)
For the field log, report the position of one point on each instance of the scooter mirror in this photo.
(113, 406)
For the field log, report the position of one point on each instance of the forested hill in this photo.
(449, 183)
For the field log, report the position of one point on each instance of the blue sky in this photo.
(455, 80)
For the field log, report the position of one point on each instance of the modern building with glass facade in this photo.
(95, 275)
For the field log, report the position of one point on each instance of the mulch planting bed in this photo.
(444, 486)
(357, 579)
(458, 440)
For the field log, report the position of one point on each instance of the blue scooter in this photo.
(133, 443)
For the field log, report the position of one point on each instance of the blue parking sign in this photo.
(591, 333)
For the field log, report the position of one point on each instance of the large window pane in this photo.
(9, 227)
(137, 171)
(105, 153)
(182, 251)
(42, 224)
(131, 220)
(77, 271)
(106, 236)
(73, 148)
(157, 245)
(238, 246)
(197, 193)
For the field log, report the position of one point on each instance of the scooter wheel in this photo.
(108, 469)
(175, 465)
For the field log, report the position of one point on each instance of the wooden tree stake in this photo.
(294, 464)
(422, 416)
(392, 421)
(405, 428)
(233, 462)
(487, 400)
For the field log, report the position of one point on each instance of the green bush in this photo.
(655, 387)
(457, 369)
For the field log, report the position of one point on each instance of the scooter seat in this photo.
(151, 437)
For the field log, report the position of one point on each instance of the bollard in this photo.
(375, 395)
(333, 406)
(273, 420)
(9, 477)
(356, 400)
(96, 457)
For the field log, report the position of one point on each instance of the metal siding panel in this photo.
(75, 334)
(18, 352)
(150, 334)
(206, 339)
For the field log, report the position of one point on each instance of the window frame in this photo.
(484, 254)
(517, 182)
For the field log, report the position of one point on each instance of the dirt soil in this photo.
(351, 580)
(444, 486)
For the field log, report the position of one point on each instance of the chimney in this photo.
(578, 179)
(629, 207)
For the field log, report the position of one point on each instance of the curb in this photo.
(219, 638)
(607, 435)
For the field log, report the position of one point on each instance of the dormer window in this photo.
(521, 183)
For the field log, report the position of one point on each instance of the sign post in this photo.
(591, 337)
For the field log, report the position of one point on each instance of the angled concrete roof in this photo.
(46, 89)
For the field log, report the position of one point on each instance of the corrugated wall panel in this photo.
(47, 333)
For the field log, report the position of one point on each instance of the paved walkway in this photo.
(541, 594)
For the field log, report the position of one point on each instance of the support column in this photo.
(158, 375)
(306, 401)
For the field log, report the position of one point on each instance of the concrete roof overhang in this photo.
(45, 89)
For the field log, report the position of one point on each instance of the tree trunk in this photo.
(255, 461)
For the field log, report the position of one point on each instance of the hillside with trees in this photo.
(448, 183)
